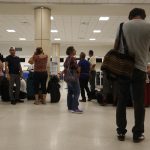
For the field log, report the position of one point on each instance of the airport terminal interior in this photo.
(55, 25)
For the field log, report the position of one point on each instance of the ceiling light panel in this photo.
(10, 30)
(52, 18)
(104, 18)
(54, 31)
(97, 31)
(57, 39)
(92, 39)
(22, 39)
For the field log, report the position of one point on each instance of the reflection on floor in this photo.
(52, 127)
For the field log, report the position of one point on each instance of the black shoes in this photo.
(121, 137)
(19, 101)
(13, 102)
(83, 100)
(137, 139)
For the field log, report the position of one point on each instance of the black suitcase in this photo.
(99, 97)
(53, 89)
(5, 90)
(30, 87)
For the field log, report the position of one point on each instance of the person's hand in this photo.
(8, 76)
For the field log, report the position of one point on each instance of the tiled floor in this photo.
(52, 127)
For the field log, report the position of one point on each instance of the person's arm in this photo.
(79, 67)
(21, 72)
(31, 60)
(7, 70)
(93, 66)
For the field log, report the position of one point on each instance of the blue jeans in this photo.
(137, 85)
(73, 95)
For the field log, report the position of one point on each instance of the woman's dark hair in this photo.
(1, 58)
(91, 52)
(137, 12)
(38, 51)
(70, 50)
(82, 55)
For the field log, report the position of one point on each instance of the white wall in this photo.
(99, 51)
(29, 48)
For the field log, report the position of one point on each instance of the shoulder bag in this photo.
(117, 63)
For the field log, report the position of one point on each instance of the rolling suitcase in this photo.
(53, 89)
(30, 87)
(5, 90)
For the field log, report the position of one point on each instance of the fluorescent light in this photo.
(52, 18)
(92, 39)
(54, 31)
(104, 18)
(10, 30)
(57, 39)
(22, 39)
(97, 31)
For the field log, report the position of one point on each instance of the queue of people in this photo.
(77, 75)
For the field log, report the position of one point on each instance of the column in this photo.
(56, 54)
(42, 29)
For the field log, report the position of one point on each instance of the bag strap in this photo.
(120, 30)
(126, 49)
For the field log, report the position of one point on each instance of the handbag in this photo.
(117, 63)
(70, 75)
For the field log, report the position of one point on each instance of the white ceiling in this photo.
(78, 1)
(71, 29)
(75, 23)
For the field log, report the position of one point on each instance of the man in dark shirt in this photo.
(84, 66)
(13, 72)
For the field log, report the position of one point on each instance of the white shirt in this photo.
(92, 61)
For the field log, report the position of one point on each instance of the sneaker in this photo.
(78, 111)
(138, 139)
(121, 137)
(72, 111)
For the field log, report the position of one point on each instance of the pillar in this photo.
(56, 54)
(42, 29)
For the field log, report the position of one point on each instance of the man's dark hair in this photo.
(1, 58)
(82, 55)
(70, 50)
(137, 12)
(91, 52)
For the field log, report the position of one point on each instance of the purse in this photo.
(70, 75)
(117, 63)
